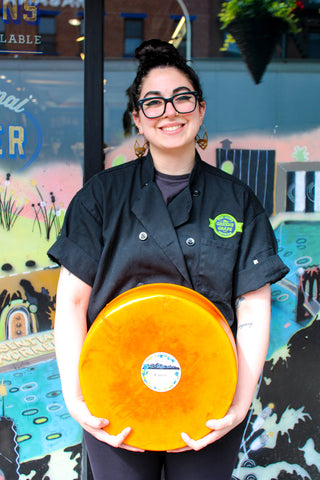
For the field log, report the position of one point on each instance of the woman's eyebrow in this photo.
(152, 93)
(179, 89)
(156, 93)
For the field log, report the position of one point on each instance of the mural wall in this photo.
(35, 188)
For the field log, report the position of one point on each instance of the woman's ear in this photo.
(202, 107)
(137, 122)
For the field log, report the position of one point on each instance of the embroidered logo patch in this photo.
(225, 225)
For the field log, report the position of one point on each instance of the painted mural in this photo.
(44, 441)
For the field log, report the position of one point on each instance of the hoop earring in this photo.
(138, 150)
(202, 141)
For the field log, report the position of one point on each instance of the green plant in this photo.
(241, 9)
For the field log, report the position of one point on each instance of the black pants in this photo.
(215, 462)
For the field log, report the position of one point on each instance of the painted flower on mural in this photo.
(300, 154)
(46, 216)
(10, 209)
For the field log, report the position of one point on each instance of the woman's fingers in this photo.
(219, 427)
(96, 423)
(95, 426)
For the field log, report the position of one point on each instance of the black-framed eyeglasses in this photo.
(154, 107)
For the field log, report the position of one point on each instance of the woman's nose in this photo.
(170, 111)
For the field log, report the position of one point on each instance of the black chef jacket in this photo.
(213, 237)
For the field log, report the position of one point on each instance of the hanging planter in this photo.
(256, 39)
(257, 26)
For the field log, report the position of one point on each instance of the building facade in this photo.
(55, 28)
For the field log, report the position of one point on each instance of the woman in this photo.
(153, 220)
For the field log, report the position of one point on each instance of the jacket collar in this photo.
(147, 170)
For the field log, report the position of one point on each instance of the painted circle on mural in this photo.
(29, 386)
(40, 420)
(283, 297)
(301, 240)
(54, 376)
(6, 383)
(14, 390)
(54, 407)
(53, 436)
(301, 243)
(31, 411)
(53, 394)
(23, 437)
(306, 260)
(65, 416)
(275, 293)
(228, 167)
(30, 398)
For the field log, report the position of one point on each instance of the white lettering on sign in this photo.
(12, 103)
(20, 39)
(30, 347)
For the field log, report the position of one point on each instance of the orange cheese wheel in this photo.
(160, 359)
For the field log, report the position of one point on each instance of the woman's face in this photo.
(172, 130)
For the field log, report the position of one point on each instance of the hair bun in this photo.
(157, 53)
(155, 48)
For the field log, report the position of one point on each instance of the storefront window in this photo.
(41, 164)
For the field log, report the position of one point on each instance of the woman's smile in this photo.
(173, 128)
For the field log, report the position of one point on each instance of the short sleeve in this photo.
(258, 261)
(79, 245)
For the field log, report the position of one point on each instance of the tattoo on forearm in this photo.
(237, 304)
(249, 324)
(238, 301)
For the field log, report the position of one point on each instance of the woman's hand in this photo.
(95, 426)
(219, 428)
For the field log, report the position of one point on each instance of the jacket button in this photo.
(143, 236)
(190, 241)
(196, 193)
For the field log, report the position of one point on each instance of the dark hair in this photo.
(154, 54)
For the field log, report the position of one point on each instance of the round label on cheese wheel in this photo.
(161, 372)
